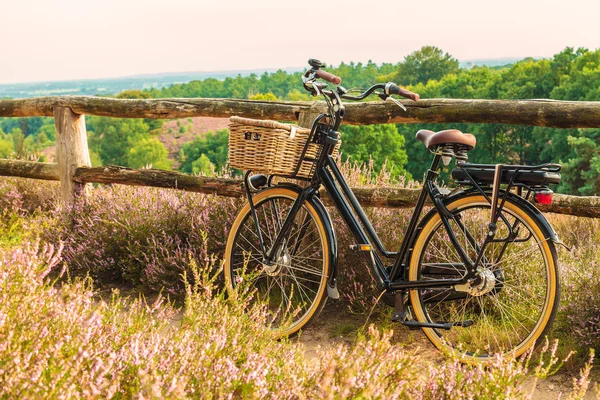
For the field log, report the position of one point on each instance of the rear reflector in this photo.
(544, 198)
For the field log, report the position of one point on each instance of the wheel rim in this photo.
(292, 287)
(512, 302)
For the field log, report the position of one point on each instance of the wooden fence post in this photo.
(71, 152)
(306, 118)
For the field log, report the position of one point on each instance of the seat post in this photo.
(435, 165)
(412, 224)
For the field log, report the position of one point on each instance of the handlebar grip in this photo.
(392, 88)
(328, 76)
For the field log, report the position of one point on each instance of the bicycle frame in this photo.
(328, 175)
(456, 246)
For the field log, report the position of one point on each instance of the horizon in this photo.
(246, 71)
(127, 38)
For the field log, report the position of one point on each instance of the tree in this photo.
(214, 146)
(378, 142)
(296, 95)
(527, 79)
(6, 145)
(153, 124)
(134, 94)
(428, 63)
(263, 96)
(582, 171)
(18, 141)
(6, 148)
(583, 79)
(203, 166)
(112, 138)
(149, 151)
(49, 130)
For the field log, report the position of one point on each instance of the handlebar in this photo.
(328, 76)
(389, 88)
(334, 96)
(392, 88)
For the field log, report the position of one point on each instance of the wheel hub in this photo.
(283, 259)
(483, 283)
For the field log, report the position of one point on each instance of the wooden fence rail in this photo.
(550, 113)
(388, 197)
(74, 170)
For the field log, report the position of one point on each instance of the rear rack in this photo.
(513, 175)
(547, 167)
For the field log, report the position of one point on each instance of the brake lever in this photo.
(390, 98)
(317, 86)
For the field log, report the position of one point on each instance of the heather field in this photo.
(121, 297)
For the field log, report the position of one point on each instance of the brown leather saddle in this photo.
(433, 139)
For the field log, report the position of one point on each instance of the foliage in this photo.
(22, 201)
(60, 341)
(149, 151)
(579, 315)
(26, 196)
(113, 138)
(377, 144)
(213, 145)
(6, 145)
(203, 166)
(572, 74)
(144, 237)
(153, 124)
(426, 64)
(260, 96)
(133, 94)
(582, 171)
(28, 136)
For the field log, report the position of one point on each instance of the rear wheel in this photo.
(512, 301)
(293, 287)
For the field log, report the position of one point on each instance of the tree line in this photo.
(572, 74)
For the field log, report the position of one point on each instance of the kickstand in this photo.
(400, 313)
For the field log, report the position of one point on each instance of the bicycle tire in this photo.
(310, 274)
(512, 316)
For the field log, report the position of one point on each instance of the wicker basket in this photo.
(270, 147)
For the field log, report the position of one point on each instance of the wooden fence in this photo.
(74, 169)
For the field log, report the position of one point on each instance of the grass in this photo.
(59, 339)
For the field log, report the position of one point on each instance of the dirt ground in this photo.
(335, 326)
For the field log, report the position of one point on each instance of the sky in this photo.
(86, 39)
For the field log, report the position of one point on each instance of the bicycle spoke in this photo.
(292, 284)
(503, 315)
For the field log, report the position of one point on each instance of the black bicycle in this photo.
(478, 273)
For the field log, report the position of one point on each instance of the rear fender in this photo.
(528, 206)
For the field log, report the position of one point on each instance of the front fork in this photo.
(270, 254)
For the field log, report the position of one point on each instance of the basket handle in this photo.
(265, 123)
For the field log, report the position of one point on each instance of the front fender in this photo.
(332, 239)
(318, 205)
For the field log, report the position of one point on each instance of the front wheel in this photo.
(293, 287)
(512, 302)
